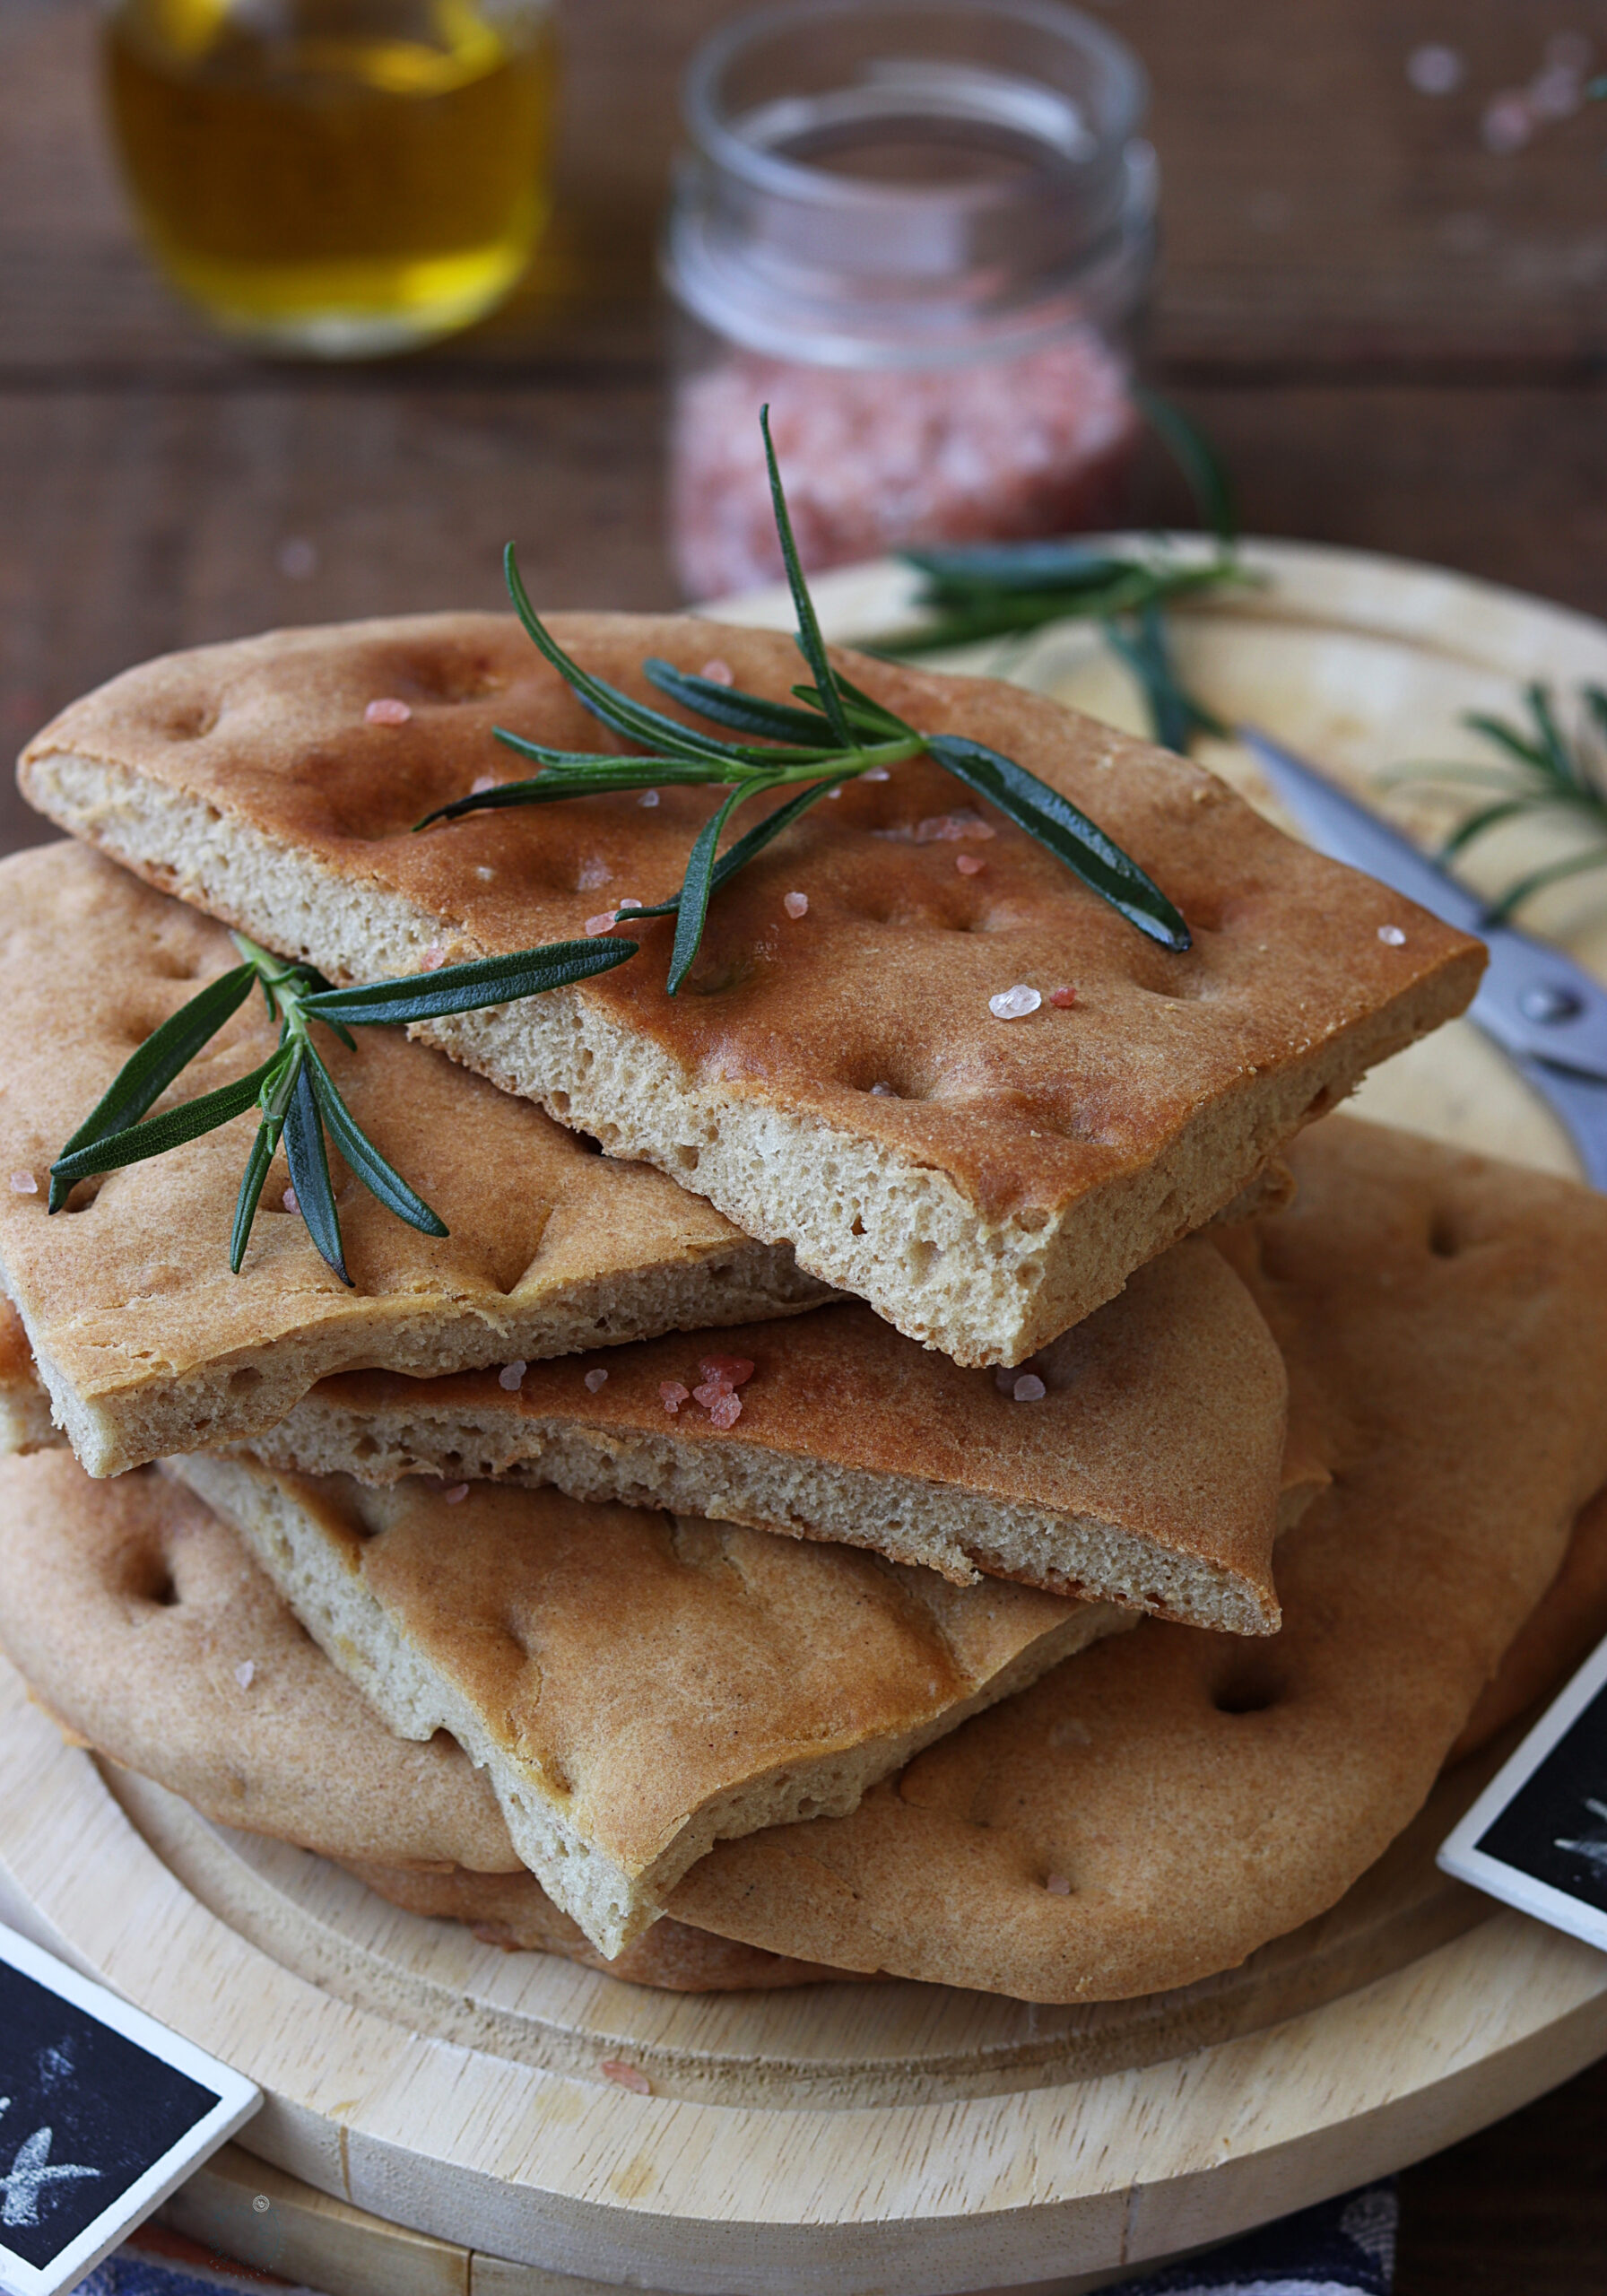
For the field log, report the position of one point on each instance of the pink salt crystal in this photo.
(648, 797)
(626, 2076)
(726, 1412)
(1392, 937)
(604, 921)
(457, 1492)
(720, 673)
(595, 1382)
(1029, 1388)
(24, 1184)
(795, 904)
(970, 865)
(1057, 1885)
(512, 1375)
(1062, 999)
(288, 1200)
(882, 1092)
(709, 1392)
(482, 783)
(728, 1370)
(876, 773)
(246, 1673)
(435, 957)
(673, 1395)
(593, 874)
(388, 711)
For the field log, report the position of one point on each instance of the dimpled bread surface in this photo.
(835, 1079)
(1445, 1322)
(149, 1346)
(1148, 1471)
(148, 1633)
(634, 1686)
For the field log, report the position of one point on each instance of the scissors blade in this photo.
(1535, 1000)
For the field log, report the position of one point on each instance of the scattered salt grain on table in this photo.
(626, 2076)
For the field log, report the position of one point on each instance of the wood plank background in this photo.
(1398, 338)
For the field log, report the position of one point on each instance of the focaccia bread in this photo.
(837, 1078)
(634, 1685)
(1159, 1810)
(149, 1634)
(149, 1345)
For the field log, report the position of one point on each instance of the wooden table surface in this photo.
(1398, 337)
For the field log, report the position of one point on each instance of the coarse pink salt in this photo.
(970, 865)
(435, 957)
(648, 797)
(626, 2076)
(728, 1370)
(482, 783)
(673, 1395)
(24, 1184)
(593, 874)
(795, 904)
(388, 711)
(1062, 999)
(718, 671)
(946, 828)
(290, 1200)
(245, 1673)
(595, 1382)
(882, 1092)
(511, 1376)
(1057, 1885)
(876, 773)
(1392, 937)
(1014, 1004)
(604, 921)
(455, 1493)
(1029, 1388)
(725, 1411)
(626, 902)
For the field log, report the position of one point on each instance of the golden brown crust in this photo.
(1557, 1637)
(151, 1346)
(1010, 1175)
(1445, 1321)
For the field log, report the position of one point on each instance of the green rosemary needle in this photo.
(296, 1095)
(1540, 771)
(830, 733)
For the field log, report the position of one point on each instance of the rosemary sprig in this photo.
(294, 1091)
(1540, 771)
(837, 735)
(1000, 589)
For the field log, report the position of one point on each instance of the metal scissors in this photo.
(1548, 1015)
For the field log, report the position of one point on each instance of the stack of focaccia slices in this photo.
(944, 1510)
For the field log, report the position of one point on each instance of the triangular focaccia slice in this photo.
(146, 1341)
(836, 1077)
(1154, 1813)
(1143, 1462)
(633, 1685)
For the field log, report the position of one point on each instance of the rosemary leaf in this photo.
(810, 644)
(1067, 832)
(310, 1172)
(252, 1180)
(692, 907)
(724, 705)
(469, 987)
(137, 1142)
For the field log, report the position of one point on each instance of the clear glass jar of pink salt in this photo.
(922, 231)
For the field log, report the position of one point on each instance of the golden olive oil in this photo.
(339, 176)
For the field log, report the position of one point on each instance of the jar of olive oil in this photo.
(335, 177)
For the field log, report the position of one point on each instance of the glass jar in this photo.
(335, 177)
(922, 230)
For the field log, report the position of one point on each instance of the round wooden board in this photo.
(886, 2136)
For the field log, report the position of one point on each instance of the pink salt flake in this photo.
(795, 904)
(649, 797)
(726, 1411)
(1029, 1388)
(245, 1673)
(948, 829)
(876, 773)
(24, 1184)
(388, 711)
(482, 783)
(626, 2076)
(290, 1200)
(1062, 999)
(727, 1370)
(709, 1392)
(1392, 937)
(882, 1092)
(718, 671)
(1057, 1885)
(435, 957)
(456, 1494)
(604, 921)
(595, 1382)
(970, 865)
(1014, 1004)
(673, 1395)
(511, 1376)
